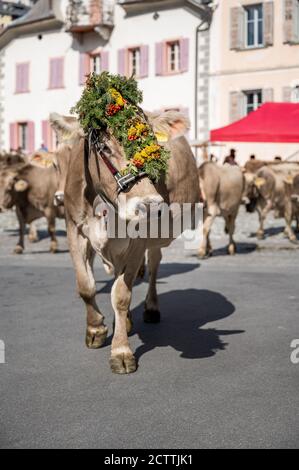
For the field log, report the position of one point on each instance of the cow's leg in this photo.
(288, 215)
(122, 359)
(230, 226)
(263, 211)
(83, 256)
(151, 312)
(22, 227)
(33, 235)
(52, 231)
(205, 248)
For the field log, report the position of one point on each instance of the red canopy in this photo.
(272, 122)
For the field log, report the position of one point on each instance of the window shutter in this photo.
(22, 78)
(46, 134)
(60, 72)
(268, 95)
(56, 73)
(237, 23)
(287, 94)
(268, 23)
(160, 58)
(84, 67)
(291, 24)
(184, 54)
(236, 106)
(122, 61)
(105, 61)
(13, 136)
(144, 61)
(30, 137)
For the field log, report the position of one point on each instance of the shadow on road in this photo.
(42, 234)
(184, 313)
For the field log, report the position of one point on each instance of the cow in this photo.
(84, 180)
(292, 192)
(221, 189)
(31, 190)
(266, 191)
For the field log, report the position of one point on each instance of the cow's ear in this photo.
(64, 126)
(169, 125)
(21, 186)
(289, 179)
(259, 181)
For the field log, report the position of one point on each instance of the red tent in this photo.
(272, 122)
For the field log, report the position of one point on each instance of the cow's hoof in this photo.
(33, 238)
(204, 254)
(123, 363)
(18, 250)
(293, 238)
(260, 235)
(96, 336)
(231, 249)
(53, 247)
(151, 316)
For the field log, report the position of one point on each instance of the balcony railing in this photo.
(87, 15)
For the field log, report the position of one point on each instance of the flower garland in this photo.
(112, 102)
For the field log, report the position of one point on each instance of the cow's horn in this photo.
(259, 181)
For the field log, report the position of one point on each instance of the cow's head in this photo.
(292, 188)
(253, 187)
(11, 187)
(142, 195)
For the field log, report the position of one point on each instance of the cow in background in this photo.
(31, 190)
(221, 189)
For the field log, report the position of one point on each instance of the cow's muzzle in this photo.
(59, 198)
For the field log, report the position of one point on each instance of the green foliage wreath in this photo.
(112, 101)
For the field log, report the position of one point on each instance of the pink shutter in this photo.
(122, 61)
(60, 74)
(144, 61)
(159, 58)
(105, 61)
(56, 73)
(22, 78)
(184, 54)
(13, 136)
(46, 134)
(84, 67)
(30, 137)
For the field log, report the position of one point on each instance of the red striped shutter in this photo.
(22, 78)
(30, 137)
(159, 58)
(13, 136)
(184, 54)
(105, 61)
(84, 67)
(56, 73)
(122, 61)
(144, 61)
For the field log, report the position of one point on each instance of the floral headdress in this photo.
(112, 101)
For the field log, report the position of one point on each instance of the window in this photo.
(295, 94)
(254, 25)
(96, 63)
(23, 135)
(253, 100)
(56, 73)
(173, 56)
(134, 62)
(22, 78)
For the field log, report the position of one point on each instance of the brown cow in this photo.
(266, 190)
(31, 190)
(87, 235)
(221, 188)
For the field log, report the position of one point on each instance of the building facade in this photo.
(48, 53)
(255, 59)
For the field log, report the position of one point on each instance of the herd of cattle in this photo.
(66, 185)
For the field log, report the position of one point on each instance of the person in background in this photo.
(231, 158)
(278, 158)
(252, 157)
(43, 148)
(213, 158)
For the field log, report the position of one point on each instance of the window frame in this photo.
(168, 44)
(256, 103)
(256, 22)
(22, 125)
(129, 65)
(92, 57)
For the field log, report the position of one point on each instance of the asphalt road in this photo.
(216, 372)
